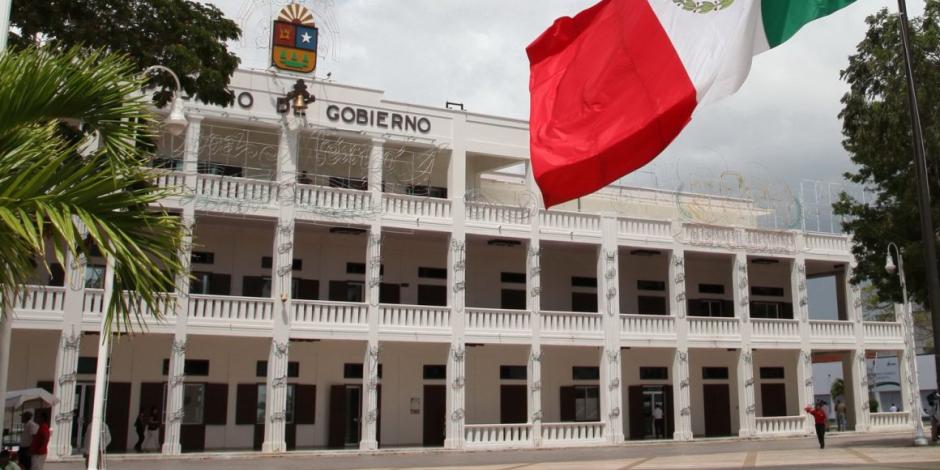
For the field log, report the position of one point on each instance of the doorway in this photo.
(644, 400)
(773, 399)
(717, 399)
(117, 414)
(435, 410)
(513, 404)
(353, 411)
(345, 416)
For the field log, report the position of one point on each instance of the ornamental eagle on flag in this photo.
(613, 86)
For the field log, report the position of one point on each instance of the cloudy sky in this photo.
(781, 128)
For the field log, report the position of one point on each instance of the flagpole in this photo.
(5, 6)
(928, 236)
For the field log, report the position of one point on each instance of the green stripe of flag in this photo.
(783, 18)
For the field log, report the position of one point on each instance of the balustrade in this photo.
(330, 313)
(775, 329)
(497, 434)
(320, 198)
(170, 179)
(570, 221)
(826, 242)
(498, 214)
(93, 304)
(647, 325)
(714, 327)
(516, 321)
(771, 240)
(415, 206)
(236, 190)
(571, 322)
(883, 331)
(780, 425)
(895, 420)
(645, 228)
(415, 316)
(227, 309)
(711, 235)
(40, 299)
(573, 432)
(826, 330)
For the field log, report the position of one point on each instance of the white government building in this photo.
(365, 276)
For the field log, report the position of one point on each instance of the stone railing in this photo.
(501, 320)
(571, 323)
(40, 299)
(826, 242)
(781, 425)
(233, 190)
(93, 305)
(230, 310)
(570, 221)
(573, 433)
(883, 331)
(416, 206)
(642, 228)
(714, 327)
(498, 214)
(329, 313)
(775, 329)
(770, 240)
(647, 325)
(170, 179)
(883, 421)
(828, 330)
(414, 317)
(340, 200)
(494, 435)
(710, 235)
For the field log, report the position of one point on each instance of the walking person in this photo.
(659, 424)
(935, 418)
(842, 420)
(819, 416)
(40, 445)
(152, 433)
(103, 443)
(30, 428)
(140, 426)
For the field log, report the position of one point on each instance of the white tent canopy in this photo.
(30, 396)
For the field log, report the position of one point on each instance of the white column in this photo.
(804, 366)
(173, 418)
(853, 298)
(6, 335)
(5, 6)
(910, 381)
(101, 373)
(456, 361)
(281, 282)
(747, 409)
(608, 303)
(534, 306)
(682, 400)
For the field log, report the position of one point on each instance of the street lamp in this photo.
(909, 353)
(176, 122)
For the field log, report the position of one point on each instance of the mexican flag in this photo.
(613, 86)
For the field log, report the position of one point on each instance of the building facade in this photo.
(376, 274)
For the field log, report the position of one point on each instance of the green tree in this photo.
(187, 36)
(56, 176)
(877, 134)
(837, 389)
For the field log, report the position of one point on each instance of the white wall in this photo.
(635, 268)
(778, 358)
(557, 362)
(631, 361)
(482, 372)
(559, 265)
(699, 358)
(485, 264)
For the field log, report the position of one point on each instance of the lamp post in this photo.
(176, 122)
(910, 354)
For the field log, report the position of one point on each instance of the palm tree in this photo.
(75, 135)
(837, 389)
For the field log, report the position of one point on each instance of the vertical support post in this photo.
(608, 302)
(5, 7)
(860, 385)
(101, 374)
(66, 363)
(6, 335)
(370, 386)
(909, 377)
(177, 377)
(534, 306)
(456, 362)
(370, 364)
(804, 366)
(804, 388)
(747, 409)
(281, 284)
(682, 411)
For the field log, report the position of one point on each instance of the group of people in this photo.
(147, 427)
(34, 444)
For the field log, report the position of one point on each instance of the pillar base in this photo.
(172, 448)
(453, 444)
(681, 436)
(274, 447)
(369, 445)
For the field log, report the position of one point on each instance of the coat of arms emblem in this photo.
(294, 45)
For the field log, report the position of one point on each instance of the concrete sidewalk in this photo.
(847, 450)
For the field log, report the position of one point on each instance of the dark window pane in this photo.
(714, 373)
(577, 281)
(648, 305)
(432, 273)
(513, 299)
(583, 302)
(355, 268)
(654, 373)
(432, 295)
(711, 288)
(585, 373)
(767, 291)
(203, 257)
(87, 365)
(514, 278)
(512, 372)
(354, 371)
(196, 367)
(651, 285)
(435, 372)
(771, 373)
(56, 275)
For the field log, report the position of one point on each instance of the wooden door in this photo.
(637, 416)
(435, 410)
(773, 399)
(118, 414)
(669, 411)
(513, 405)
(336, 429)
(567, 405)
(717, 399)
(432, 295)
(152, 395)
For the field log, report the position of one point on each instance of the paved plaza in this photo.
(845, 451)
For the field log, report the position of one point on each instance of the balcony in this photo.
(329, 319)
(832, 331)
(498, 325)
(781, 426)
(714, 329)
(883, 332)
(825, 243)
(644, 229)
(229, 313)
(413, 321)
(565, 225)
(40, 304)
(648, 328)
(240, 192)
(770, 330)
(498, 435)
(327, 202)
(564, 327)
(400, 205)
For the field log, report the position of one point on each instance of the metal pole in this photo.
(923, 191)
(5, 6)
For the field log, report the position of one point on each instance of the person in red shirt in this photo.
(822, 422)
(40, 445)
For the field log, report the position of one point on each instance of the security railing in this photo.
(643, 228)
(572, 323)
(498, 214)
(890, 420)
(883, 331)
(322, 198)
(828, 330)
(570, 221)
(775, 329)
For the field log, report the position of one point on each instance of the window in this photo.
(584, 302)
(210, 168)
(585, 373)
(267, 262)
(765, 310)
(577, 281)
(648, 305)
(512, 372)
(87, 365)
(263, 399)
(714, 373)
(210, 283)
(193, 367)
(651, 285)
(771, 373)
(711, 288)
(587, 403)
(293, 369)
(202, 257)
(711, 308)
(654, 373)
(512, 278)
(347, 291)
(435, 372)
(94, 276)
(354, 371)
(56, 275)
(432, 295)
(513, 299)
(348, 183)
(432, 273)
(427, 191)
(767, 291)
(194, 403)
